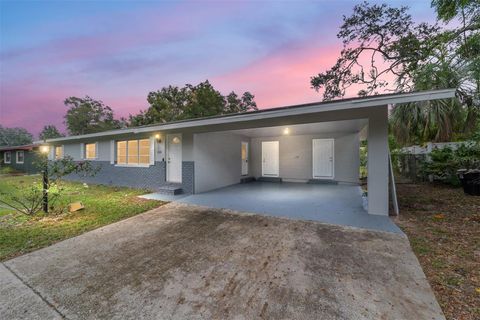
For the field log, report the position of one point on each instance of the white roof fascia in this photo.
(335, 105)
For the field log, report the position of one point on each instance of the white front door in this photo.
(323, 162)
(270, 161)
(174, 158)
(244, 158)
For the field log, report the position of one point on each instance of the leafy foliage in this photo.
(380, 43)
(86, 115)
(174, 103)
(385, 50)
(59, 168)
(29, 200)
(14, 136)
(444, 163)
(50, 132)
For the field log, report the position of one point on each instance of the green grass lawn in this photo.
(20, 233)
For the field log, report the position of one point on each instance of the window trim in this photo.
(138, 165)
(55, 152)
(16, 157)
(85, 151)
(5, 157)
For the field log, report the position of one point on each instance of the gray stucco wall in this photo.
(217, 160)
(75, 150)
(187, 147)
(296, 156)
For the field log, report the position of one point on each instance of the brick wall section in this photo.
(150, 178)
(188, 177)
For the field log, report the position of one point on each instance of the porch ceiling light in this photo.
(286, 131)
(44, 149)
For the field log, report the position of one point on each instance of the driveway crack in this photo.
(36, 292)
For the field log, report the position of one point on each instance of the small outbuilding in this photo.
(20, 158)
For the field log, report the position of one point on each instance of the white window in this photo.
(133, 152)
(20, 156)
(7, 157)
(91, 151)
(58, 152)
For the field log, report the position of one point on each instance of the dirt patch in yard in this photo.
(443, 225)
(187, 262)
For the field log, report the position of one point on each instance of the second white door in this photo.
(323, 162)
(270, 158)
(174, 158)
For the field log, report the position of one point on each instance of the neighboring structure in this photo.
(20, 158)
(316, 142)
(410, 160)
(429, 146)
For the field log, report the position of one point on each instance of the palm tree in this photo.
(440, 120)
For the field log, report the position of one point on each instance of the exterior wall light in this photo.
(286, 131)
(158, 138)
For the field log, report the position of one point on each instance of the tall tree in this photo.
(50, 132)
(191, 101)
(203, 101)
(14, 136)
(385, 50)
(86, 115)
(234, 104)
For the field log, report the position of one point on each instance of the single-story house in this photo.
(20, 158)
(314, 142)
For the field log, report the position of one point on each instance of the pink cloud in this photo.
(283, 77)
(152, 27)
(32, 104)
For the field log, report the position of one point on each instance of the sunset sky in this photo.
(118, 51)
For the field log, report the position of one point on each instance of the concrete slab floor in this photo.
(334, 204)
(186, 262)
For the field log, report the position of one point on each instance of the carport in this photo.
(302, 144)
(313, 174)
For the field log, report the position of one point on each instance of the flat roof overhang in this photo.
(343, 109)
(26, 147)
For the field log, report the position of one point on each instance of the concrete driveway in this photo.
(188, 262)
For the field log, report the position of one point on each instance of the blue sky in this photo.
(118, 51)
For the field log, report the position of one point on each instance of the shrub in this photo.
(443, 164)
(8, 170)
(30, 200)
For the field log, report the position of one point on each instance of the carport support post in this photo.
(378, 161)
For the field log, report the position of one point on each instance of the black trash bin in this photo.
(470, 180)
